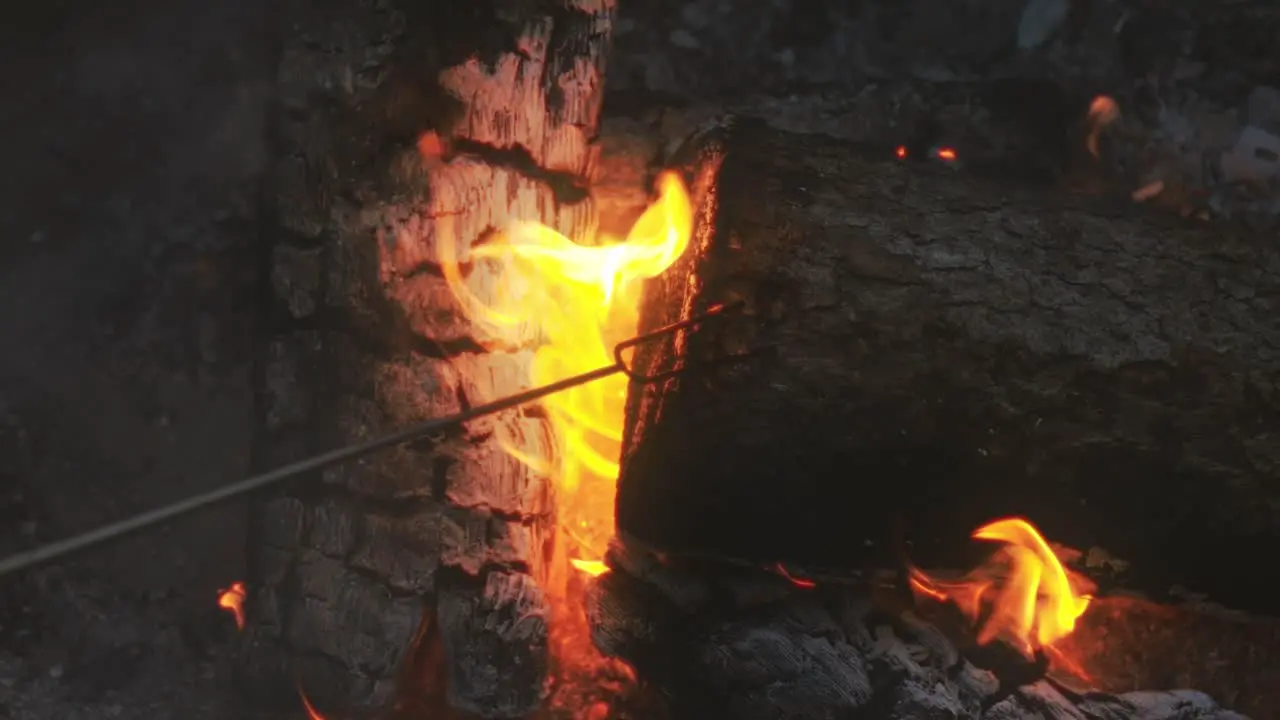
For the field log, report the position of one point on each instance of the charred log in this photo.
(734, 643)
(409, 130)
(931, 350)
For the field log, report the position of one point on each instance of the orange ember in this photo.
(1102, 112)
(901, 152)
(947, 154)
(802, 583)
(582, 296)
(1027, 597)
(232, 600)
(312, 713)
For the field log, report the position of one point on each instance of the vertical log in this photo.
(409, 132)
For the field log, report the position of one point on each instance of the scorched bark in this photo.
(932, 349)
(403, 128)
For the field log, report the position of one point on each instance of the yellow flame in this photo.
(580, 299)
(232, 600)
(1033, 601)
(594, 568)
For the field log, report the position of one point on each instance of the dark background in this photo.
(133, 141)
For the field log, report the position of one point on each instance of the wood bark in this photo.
(745, 644)
(405, 128)
(931, 350)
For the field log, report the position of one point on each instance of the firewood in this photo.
(407, 132)
(712, 650)
(931, 350)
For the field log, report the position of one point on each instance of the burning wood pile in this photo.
(728, 641)
(915, 352)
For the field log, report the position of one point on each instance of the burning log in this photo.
(410, 132)
(738, 643)
(932, 349)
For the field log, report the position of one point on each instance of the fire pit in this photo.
(922, 350)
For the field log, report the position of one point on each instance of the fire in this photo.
(1027, 597)
(232, 600)
(582, 296)
(594, 568)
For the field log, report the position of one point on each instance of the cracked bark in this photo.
(369, 338)
(933, 349)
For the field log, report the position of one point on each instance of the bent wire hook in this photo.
(60, 548)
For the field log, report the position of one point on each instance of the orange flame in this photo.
(947, 154)
(581, 297)
(1031, 601)
(232, 600)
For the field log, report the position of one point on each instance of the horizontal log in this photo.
(933, 349)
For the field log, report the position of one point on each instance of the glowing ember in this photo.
(1102, 112)
(946, 154)
(1148, 191)
(901, 152)
(798, 582)
(312, 713)
(582, 299)
(1027, 597)
(232, 600)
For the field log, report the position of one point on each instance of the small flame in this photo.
(901, 152)
(1102, 112)
(582, 297)
(1029, 599)
(947, 154)
(232, 600)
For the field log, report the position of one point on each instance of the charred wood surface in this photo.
(746, 644)
(933, 349)
(408, 130)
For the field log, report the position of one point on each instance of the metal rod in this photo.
(60, 548)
